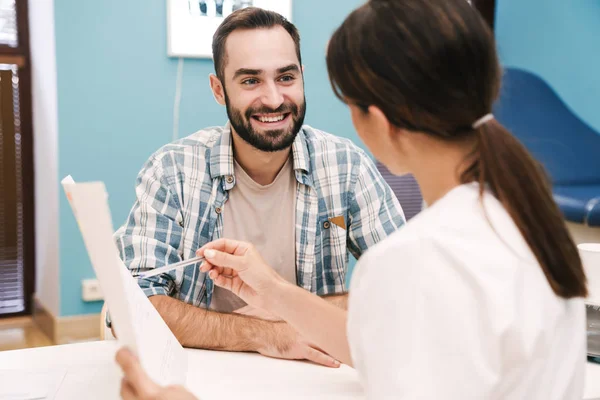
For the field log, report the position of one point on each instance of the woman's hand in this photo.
(136, 385)
(237, 266)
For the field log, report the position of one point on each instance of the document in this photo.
(30, 384)
(137, 323)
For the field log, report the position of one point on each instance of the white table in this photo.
(92, 374)
(592, 382)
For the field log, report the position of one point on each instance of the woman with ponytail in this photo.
(481, 295)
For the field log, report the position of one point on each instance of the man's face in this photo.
(263, 87)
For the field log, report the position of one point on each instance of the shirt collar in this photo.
(221, 157)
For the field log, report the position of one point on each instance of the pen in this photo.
(170, 267)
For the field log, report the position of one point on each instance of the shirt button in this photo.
(229, 179)
(218, 210)
(326, 225)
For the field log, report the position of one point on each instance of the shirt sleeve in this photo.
(374, 211)
(152, 234)
(417, 326)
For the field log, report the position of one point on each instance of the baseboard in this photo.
(44, 319)
(78, 328)
(64, 330)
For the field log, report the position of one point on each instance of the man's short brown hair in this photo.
(248, 18)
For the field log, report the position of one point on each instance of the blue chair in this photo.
(568, 148)
(406, 189)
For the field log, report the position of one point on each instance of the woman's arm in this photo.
(317, 320)
(238, 267)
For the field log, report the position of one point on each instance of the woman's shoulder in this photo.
(459, 232)
(455, 215)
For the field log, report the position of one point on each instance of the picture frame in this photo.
(191, 24)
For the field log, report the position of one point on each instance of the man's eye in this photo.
(250, 81)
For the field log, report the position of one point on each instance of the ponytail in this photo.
(382, 56)
(504, 166)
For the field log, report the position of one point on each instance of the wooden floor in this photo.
(21, 333)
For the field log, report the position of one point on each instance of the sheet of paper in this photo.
(30, 384)
(137, 323)
(91, 382)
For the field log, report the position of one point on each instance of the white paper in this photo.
(30, 384)
(91, 382)
(137, 323)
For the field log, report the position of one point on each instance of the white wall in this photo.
(45, 131)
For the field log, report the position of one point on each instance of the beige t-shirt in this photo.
(264, 216)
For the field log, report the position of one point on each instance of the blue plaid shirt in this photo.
(184, 186)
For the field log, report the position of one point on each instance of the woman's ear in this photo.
(380, 122)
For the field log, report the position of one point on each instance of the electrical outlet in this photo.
(91, 290)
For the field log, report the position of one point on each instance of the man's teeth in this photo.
(270, 119)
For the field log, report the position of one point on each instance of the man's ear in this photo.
(217, 89)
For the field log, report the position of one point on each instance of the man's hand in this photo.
(253, 312)
(291, 346)
(136, 385)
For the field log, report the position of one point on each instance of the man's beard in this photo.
(269, 140)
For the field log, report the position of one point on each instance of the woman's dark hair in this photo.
(431, 66)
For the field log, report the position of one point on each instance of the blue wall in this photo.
(559, 40)
(116, 88)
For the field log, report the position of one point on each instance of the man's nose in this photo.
(271, 96)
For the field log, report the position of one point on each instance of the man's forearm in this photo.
(340, 300)
(203, 329)
(199, 328)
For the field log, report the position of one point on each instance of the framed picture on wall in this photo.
(192, 23)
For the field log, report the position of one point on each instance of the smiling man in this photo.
(304, 198)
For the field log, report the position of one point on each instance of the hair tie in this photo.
(483, 120)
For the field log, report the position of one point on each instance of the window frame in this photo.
(20, 56)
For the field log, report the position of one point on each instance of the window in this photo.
(8, 23)
(16, 162)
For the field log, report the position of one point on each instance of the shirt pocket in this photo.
(334, 255)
